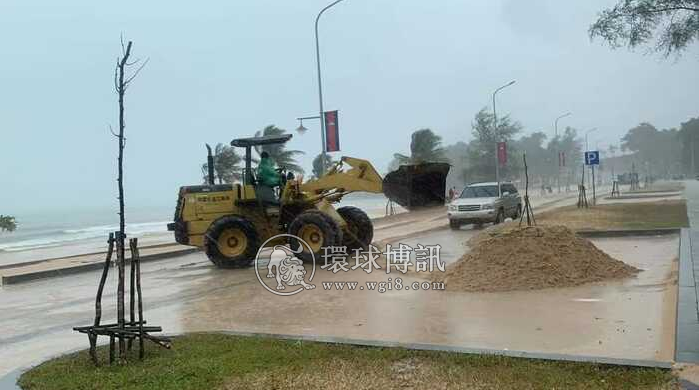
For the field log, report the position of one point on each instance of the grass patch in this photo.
(665, 186)
(214, 361)
(641, 215)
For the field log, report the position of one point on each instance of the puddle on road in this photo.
(548, 320)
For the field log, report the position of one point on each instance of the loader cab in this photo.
(266, 194)
(248, 144)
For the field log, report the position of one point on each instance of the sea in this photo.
(46, 235)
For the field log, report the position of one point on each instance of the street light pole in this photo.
(555, 125)
(320, 89)
(691, 142)
(495, 135)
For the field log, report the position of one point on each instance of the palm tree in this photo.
(425, 146)
(7, 223)
(226, 164)
(277, 152)
(317, 164)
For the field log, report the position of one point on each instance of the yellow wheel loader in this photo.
(231, 221)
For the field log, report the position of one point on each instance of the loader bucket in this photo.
(419, 185)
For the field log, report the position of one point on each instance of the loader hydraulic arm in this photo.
(361, 176)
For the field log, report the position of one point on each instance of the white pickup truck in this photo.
(484, 202)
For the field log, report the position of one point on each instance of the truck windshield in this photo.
(480, 192)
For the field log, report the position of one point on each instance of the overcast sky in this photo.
(221, 70)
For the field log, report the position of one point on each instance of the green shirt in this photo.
(266, 174)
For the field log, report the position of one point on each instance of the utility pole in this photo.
(496, 135)
(558, 178)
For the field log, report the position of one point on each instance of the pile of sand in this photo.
(512, 258)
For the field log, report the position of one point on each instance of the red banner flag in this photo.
(502, 153)
(332, 132)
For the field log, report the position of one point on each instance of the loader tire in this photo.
(360, 230)
(318, 230)
(231, 242)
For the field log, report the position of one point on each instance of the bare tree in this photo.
(120, 330)
(122, 80)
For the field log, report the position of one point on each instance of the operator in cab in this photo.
(267, 179)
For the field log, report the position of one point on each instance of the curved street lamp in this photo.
(495, 134)
(320, 87)
(555, 125)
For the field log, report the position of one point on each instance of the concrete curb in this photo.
(102, 253)
(464, 350)
(651, 191)
(23, 278)
(628, 232)
(639, 196)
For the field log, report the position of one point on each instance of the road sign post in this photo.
(592, 159)
(594, 195)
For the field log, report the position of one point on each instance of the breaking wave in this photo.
(53, 238)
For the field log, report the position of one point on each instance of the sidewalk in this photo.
(687, 347)
(687, 344)
(23, 272)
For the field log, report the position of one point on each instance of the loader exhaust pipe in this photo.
(210, 164)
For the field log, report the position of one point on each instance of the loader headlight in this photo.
(488, 207)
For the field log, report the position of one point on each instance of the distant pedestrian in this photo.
(451, 194)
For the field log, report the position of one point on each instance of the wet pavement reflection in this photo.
(632, 318)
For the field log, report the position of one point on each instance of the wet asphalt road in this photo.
(187, 294)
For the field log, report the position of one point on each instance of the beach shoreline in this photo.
(84, 256)
(52, 240)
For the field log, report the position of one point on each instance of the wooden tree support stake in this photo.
(528, 210)
(98, 300)
(120, 332)
(582, 195)
(615, 189)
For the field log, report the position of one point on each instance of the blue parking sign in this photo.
(592, 157)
